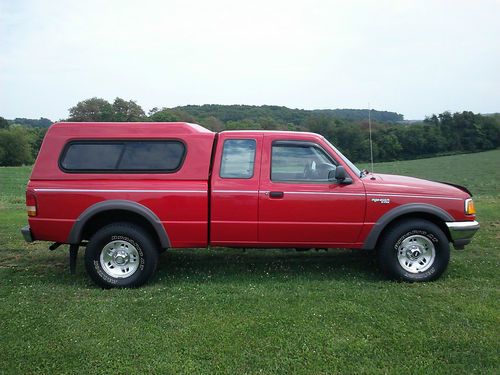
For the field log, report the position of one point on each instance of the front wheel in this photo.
(121, 255)
(414, 250)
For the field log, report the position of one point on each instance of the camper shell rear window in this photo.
(122, 156)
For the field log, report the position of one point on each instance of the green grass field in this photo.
(233, 312)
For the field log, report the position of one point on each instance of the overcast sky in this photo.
(411, 57)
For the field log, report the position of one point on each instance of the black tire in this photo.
(413, 250)
(130, 260)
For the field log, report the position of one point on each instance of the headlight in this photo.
(469, 207)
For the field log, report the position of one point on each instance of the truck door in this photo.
(234, 189)
(298, 205)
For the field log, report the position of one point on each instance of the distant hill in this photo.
(283, 114)
(496, 114)
(33, 123)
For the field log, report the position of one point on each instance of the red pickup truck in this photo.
(127, 191)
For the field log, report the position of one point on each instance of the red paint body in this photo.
(198, 208)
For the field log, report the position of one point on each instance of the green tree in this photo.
(245, 124)
(268, 123)
(4, 124)
(15, 148)
(491, 129)
(42, 122)
(450, 131)
(35, 139)
(434, 142)
(152, 111)
(93, 109)
(127, 111)
(321, 125)
(212, 123)
(388, 145)
(185, 116)
(164, 115)
(350, 137)
(411, 140)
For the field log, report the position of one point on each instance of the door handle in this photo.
(276, 194)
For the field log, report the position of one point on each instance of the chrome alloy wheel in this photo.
(119, 259)
(416, 254)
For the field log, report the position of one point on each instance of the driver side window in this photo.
(300, 162)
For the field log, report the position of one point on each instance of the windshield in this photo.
(347, 161)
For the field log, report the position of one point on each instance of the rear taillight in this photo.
(31, 203)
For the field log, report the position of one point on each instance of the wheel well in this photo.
(416, 215)
(104, 218)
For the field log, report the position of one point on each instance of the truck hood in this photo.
(394, 184)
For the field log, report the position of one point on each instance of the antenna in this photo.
(370, 130)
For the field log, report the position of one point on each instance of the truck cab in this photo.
(278, 189)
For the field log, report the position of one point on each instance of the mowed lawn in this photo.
(278, 311)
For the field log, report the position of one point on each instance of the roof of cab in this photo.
(279, 132)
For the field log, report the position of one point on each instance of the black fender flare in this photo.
(75, 235)
(411, 208)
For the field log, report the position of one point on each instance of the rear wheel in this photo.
(121, 255)
(414, 250)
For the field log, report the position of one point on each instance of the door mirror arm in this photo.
(339, 176)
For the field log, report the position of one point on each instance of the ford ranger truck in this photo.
(128, 191)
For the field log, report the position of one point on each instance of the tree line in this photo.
(348, 129)
(19, 143)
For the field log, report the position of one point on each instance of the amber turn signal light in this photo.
(469, 207)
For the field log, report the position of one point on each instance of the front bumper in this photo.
(26, 232)
(461, 232)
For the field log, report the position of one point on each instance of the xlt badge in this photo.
(381, 200)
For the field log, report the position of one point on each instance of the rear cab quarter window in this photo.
(238, 158)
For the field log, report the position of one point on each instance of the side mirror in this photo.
(331, 175)
(339, 175)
